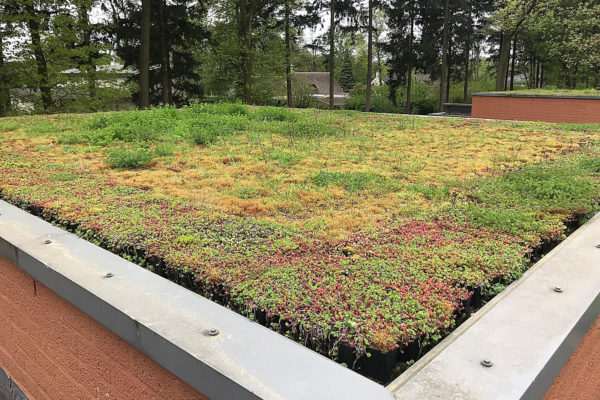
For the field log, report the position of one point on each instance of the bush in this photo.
(263, 96)
(484, 84)
(204, 134)
(380, 99)
(133, 126)
(129, 158)
(302, 95)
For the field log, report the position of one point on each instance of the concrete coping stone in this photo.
(541, 96)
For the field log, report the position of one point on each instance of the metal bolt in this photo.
(558, 289)
(487, 363)
(47, 241)
(213, 332)
(108, 275)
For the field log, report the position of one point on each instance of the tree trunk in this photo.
(542, 75)
(331, 52)
(408, 90)
(444, 79)
(410, 66)
(466, 86)
(288, 63)
(369, 57)
(4, 82)
(537, 74)
(145, 55)
(512, 67)
(40, 57)
(467, 54)
(246, 18)
(89, 63)
(503, 61)
(165, 67)
(447, 98)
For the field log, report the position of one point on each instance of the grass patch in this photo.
(9, 126)
(124, 158)
(42, 128)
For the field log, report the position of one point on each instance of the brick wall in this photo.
(548, 109)
(53, 351)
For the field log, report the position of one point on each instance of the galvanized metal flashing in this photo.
(527, 332)
(172, 325)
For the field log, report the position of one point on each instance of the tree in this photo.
(294, 21)
(369, 56)
(176, 41)
(144, 65)
(331, 52)
(509, 18)
(445, 65)
(165, 62)
(402, 19)
(5, 98)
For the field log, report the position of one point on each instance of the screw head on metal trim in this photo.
(213, 332)
(108, 275)
(558, 289)
(47, 241)
(487, 363)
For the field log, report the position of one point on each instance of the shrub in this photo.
(132, 126)
(204, 134)
(129, 158)
(302, 95)
(424, 97)
(380, 99)
(485, 83)
(262, 95)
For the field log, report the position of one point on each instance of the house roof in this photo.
(320, 82)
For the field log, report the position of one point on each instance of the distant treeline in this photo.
(89, 55)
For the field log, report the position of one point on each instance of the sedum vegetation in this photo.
(331, 227)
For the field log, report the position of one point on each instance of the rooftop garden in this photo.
(338, 229)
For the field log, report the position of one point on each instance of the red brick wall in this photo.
(53, 351)
(537, 109)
